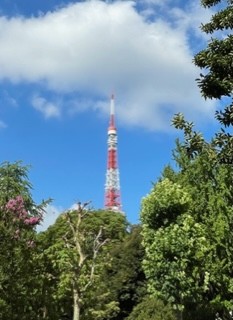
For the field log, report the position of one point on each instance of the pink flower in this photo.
(23, 214)
(20, 214)
(32, 221)
(16, 205)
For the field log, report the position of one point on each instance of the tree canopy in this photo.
(187, 220)
(216, 61)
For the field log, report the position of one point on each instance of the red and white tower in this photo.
(112, 186)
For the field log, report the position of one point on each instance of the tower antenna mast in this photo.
(112, 185)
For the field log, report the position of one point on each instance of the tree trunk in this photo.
(76, 305)
(45, 313)
(180, 315)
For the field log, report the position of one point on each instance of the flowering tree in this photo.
(18, 217)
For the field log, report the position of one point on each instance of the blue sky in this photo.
(59, 63)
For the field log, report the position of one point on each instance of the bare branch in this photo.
(97, 244)
(76, 240)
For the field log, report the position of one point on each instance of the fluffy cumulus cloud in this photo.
(47, 108)
(94, 48)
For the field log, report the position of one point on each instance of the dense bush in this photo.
(152, 309)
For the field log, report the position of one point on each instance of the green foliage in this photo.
(194, 141)
(174, 260)
(122, 280)
(152, 309)
(164, 204)
(14, 181)
(108, 311)
(115, 224)
(169, 173)
(209, 3)
(61, 261)
(187, 234)
(217, 62)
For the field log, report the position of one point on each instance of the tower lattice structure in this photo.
(112, 186)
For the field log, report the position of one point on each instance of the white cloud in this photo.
(47, 108)
(154, 2)
(51, 214)
(191, 18)
(95, 47)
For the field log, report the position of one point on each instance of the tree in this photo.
(169, 231)
(152, 309)
(76, 249)
(187, 221)
(122, 280)
(189, 254)
(18, 217)
(83, 247)
(217, 62)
